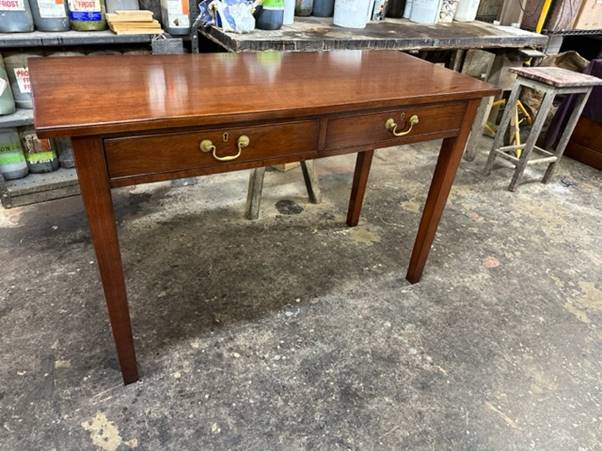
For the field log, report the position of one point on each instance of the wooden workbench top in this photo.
(317, 33)
(91, 95)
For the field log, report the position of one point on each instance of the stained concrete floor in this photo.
(295, 332)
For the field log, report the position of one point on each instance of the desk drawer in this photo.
(170, 152)
(369, 129)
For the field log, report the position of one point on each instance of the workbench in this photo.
(317, 33)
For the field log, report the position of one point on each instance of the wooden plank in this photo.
(317, 34)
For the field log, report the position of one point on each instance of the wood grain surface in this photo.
(116, 93)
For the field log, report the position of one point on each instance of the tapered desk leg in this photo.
(450, 156)
(96, 194)
(360, 180)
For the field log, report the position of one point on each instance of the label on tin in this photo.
(41, 157)
(3, 85)
(273, 4)
(50, 9)
(10, 153)
(85, 10)
(22, 76)
(177, 13)
(12, 5)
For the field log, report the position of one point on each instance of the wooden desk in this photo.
(138, 119)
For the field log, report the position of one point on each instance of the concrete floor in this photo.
(295, 332)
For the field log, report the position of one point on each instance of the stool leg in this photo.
(254, 193)
(566, 135)
(501, 129)
(311, 181)
(542, 114)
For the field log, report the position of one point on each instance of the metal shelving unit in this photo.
(20, 118)
(37, 188)
(69, 38)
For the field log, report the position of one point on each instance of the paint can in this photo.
(7, 101)
(303, 7)
(407, 9)
(323, 8)
(425, 11)
(15, 16)
(64, 149)
(395, 8)
(174, 16)
(50, 15)
(122, 5)
(448, 10)
(87, 15)
(351, 13)
(289, 12)
(18, 74)
(270, 15)
(12, 160)
(39, 153)
(466, 10)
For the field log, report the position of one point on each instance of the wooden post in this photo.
(254, 193)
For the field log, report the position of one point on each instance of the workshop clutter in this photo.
(23, 152)
(22, 16)
(243, 16)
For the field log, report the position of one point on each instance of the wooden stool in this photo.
(552, 81)
(256, 188)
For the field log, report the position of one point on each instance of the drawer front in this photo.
(370, 129)
(170, 152)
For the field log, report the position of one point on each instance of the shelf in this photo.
(18, 119)
(66, 38)
(40, 188)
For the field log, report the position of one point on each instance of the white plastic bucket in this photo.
(407, 9)
(351, 13)
(425, 11)
(289, 12)
(466, 10)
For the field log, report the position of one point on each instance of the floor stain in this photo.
(288, 207)
(364, 235)
(579, 314)
(592, 296)
(104, 433)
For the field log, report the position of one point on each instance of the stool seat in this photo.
(557, 76)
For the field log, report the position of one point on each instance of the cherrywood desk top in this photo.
(110, 94)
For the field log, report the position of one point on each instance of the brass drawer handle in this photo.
(208, 146)
(391, 125)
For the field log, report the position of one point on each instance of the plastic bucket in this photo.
(425, 11)
(466, 10)
(351, 13)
